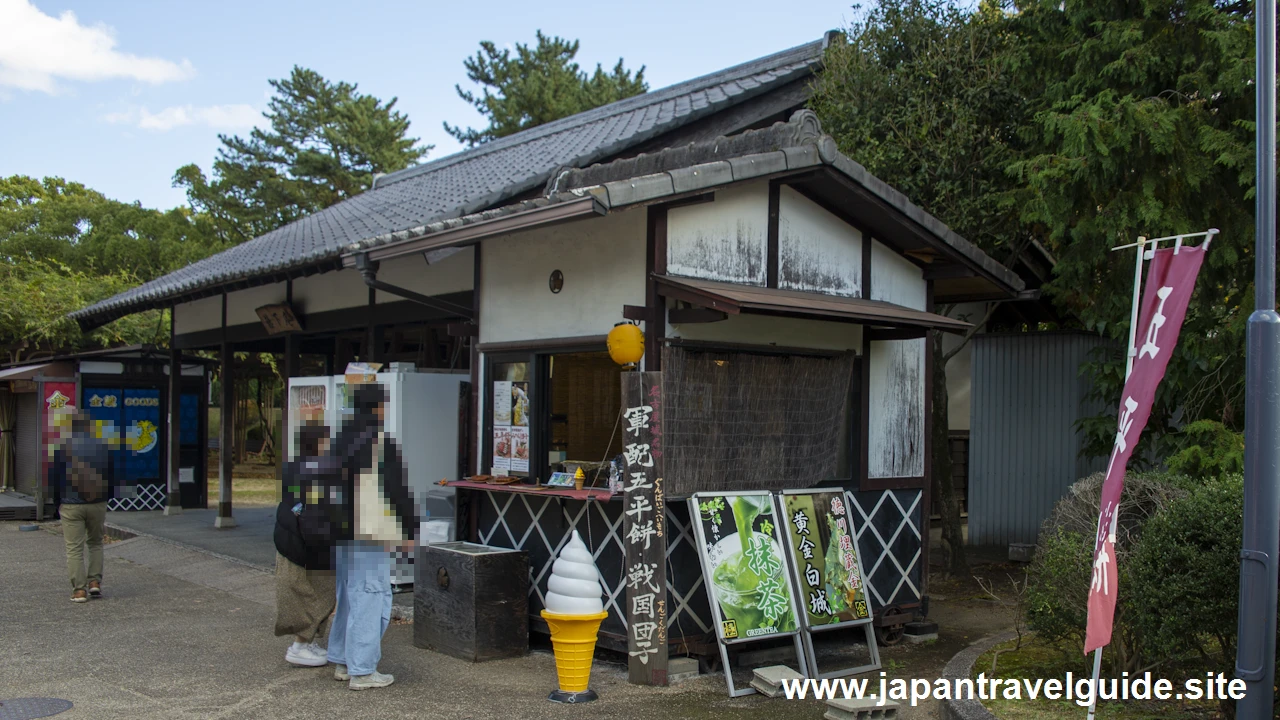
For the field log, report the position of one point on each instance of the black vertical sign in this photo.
(644, 528)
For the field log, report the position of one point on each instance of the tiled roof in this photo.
(464, 183)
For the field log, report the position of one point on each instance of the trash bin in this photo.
(471, 601)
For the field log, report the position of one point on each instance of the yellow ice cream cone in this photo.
(573, 638)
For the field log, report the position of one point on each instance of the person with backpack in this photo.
(304, 539)
(382, 517)
(81, 473)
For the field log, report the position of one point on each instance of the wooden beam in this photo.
(678, 316)
(655, 327)
(879, 334)
(173, 498)
(638, 313)
(465, 329)
(226, 416)
(771, 253)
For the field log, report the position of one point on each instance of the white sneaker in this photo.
(340, 673)
(306, 655)
(374, 679)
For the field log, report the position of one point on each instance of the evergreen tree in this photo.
(537, 85)
(1142, 124)
(324, 143)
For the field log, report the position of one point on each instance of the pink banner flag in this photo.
(1170, 280)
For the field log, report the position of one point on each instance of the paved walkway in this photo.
(250, 541)
(183, 634)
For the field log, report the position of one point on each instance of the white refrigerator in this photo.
(422, 416)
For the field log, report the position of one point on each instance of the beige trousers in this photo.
(304, 600)
(82, 527)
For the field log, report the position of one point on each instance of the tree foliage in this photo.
(1141, 124)
(69, 224)
(36, 296)
(537, 85)
(325, 142)
(921, 95)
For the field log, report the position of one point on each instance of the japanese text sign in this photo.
(1170, 281)
(825, 564)
(644, 528)
(745, 569)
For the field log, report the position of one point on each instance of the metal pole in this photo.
(1131, 351)
(1256, 643)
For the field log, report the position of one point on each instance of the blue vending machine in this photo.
(140, 451)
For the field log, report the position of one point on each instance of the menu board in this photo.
(501, 448)
(510, 427)
(825, 564)
(743, 562)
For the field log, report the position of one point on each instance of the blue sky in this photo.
(118, 95)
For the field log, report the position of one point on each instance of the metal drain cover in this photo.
(27, 708)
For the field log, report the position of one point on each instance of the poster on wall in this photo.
(825, 566)
(57, 401)
(743, 562)
(520, 404)
(501, 403)
(520, 449)
(501, 449)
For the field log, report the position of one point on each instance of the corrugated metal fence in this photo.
(1024, 450)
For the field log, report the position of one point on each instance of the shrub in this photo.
(1185, 571)
(1058, 579)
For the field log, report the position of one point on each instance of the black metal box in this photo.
(471, 601)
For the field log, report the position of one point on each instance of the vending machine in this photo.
(422, 416)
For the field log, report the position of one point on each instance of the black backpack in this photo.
(314, 512)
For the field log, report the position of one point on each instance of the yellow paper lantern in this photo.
(626, 343)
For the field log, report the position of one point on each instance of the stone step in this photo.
(768, 680)
(864, 709)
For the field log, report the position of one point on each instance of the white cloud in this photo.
(221, 117)
(38, 50)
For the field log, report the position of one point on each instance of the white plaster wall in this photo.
(242, 305)
(603, 263)
(724, 240)
(817, 251)
(329, 291)
(197, 315)
(895, 442)
(959, 369)
(896, 279)
(450, 275)
(766, 330)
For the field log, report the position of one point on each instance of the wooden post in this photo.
(644, 529)
(173, 498)
(226, 456)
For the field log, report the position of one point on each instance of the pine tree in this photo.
(324, 143)
(537, 85)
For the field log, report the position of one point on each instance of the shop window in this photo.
(548, 410)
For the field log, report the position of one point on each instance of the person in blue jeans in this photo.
(382, 518)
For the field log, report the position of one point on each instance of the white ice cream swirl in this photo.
(574, 587)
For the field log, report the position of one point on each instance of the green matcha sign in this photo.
(744, 566)
(824, 552)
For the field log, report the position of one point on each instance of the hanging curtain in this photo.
(8, 416)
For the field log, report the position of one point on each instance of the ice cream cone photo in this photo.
(573, 613)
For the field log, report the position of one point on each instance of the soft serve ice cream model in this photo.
(574, 611)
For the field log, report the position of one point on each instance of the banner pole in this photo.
(1130, 353)
(1256, 629)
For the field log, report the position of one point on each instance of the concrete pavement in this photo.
(249, 541)
(184, 634)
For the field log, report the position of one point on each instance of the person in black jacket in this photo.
(382, 517)
(304, 550)
(80, 473)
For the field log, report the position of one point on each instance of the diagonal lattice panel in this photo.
(541, 526)
(890, 542)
